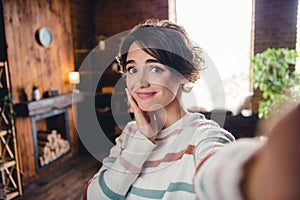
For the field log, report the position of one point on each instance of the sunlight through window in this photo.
(223, 30)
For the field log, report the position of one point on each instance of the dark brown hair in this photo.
(168, 43)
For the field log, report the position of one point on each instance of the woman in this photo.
(168, 152)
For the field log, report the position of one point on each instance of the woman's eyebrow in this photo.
(147, 61)
(129, 62)
(152, 61)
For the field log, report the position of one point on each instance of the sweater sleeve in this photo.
(219, 175)
(122, 167)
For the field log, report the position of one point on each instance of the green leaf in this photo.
(273, 76)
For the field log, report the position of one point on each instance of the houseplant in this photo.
(274, 75)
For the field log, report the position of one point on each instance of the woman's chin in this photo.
(150, 108)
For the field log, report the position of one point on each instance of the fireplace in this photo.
(50, 129)
(51, 137)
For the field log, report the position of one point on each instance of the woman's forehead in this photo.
(136, 54)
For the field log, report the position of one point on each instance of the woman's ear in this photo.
(186, 85)
(184, 81)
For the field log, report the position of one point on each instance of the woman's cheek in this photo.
(169, 83)
(129, 84)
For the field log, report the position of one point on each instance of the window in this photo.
(223, 30)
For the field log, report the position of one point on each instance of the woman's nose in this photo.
(143, 81)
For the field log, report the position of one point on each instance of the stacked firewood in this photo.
(51, 145)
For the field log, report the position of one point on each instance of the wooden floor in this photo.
(63, 182)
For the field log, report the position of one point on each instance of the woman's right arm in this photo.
(261, 168)
(122, 167)
(126, 159)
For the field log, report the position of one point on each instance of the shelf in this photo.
(110, 114)
(9, 162)
(82, 50)
(3, 133)
(46, 105)
(4, 164)
(11, 195)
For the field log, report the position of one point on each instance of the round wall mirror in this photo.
(44, 36)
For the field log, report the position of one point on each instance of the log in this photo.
(46, 155)
(52, 148)
(42, 162)
(41, 150)
(43, 143)
(43, 135)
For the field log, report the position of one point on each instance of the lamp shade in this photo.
(74, 77)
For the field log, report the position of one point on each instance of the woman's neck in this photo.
(170, 114)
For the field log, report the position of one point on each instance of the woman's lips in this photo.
(145, 95)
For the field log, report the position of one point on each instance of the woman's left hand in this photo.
(145, 121)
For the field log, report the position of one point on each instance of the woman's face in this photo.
(151, 84)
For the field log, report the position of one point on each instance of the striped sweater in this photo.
(139, 169)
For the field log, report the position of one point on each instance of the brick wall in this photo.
(82, 20)
(91, 18)
(114, 16)
(275, 24)
(82, 23)
(275, 20)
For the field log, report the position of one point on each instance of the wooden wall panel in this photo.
(74, 140)
(28, 61)
(31, 63)
(26, 151)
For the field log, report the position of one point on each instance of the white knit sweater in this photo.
(168, 168)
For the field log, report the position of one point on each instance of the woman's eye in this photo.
(131, 70)
(156, 69)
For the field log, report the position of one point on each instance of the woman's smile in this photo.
(145, 95)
